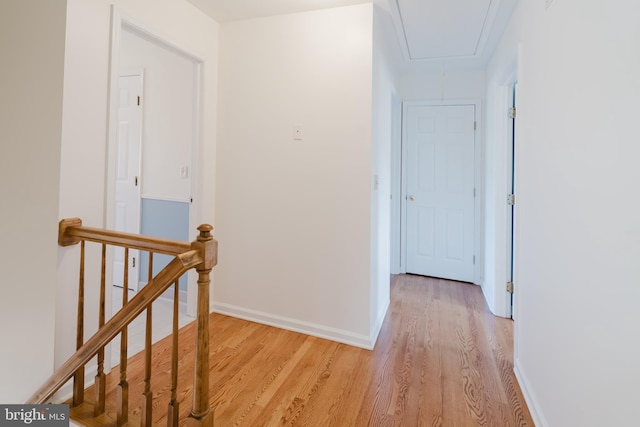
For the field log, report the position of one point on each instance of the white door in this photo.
(127, 211)
(440, 191)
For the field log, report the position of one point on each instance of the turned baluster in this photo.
(101, 379)
(173, 410)
(78, 378)
(123, 386)
(147, 395)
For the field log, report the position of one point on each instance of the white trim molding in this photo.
(295, 325)
(532, 402)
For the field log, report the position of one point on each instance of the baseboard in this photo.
(378, 326)
(530, 399)
(295, 325)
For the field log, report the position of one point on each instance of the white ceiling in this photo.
(233, 10)
(432, 33)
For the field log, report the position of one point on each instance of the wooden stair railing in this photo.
(202, 255)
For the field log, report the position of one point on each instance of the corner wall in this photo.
(294, 217)
(32, 44)
(577, 226)
(385, 135)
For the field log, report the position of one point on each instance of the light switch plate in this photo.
(297, 132)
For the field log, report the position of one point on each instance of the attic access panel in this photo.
(443, 28)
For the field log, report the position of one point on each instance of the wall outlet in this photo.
(297, 132)
(184, 172)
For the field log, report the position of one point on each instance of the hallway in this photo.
(442, 359)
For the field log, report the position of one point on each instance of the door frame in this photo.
(511, 209)
(120, 20)
(402, 200)
(503, 125)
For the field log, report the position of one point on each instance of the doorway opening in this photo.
(162, 183)
(440, 196)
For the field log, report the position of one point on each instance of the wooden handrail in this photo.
(200, 254)
(172, 272)
(71, 232)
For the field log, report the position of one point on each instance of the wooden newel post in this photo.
(202, 414)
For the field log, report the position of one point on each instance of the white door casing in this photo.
(127, 191)
(511, 185)
(440, 190)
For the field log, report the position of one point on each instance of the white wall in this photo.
(577, 296)
(443, 85)
(169, 111)
(386, 106)
(294, 217)
(84, 128)
(31, 53)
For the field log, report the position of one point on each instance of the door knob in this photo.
(412, 198)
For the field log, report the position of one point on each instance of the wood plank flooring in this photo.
(441, 359)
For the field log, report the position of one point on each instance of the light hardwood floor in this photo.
(441, 359)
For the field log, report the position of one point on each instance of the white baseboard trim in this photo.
(295, 325)
(532, 402)
(378, 326)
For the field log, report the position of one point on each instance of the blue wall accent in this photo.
(167, 219)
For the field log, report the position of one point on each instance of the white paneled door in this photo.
(440, 190)
(127, 211)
